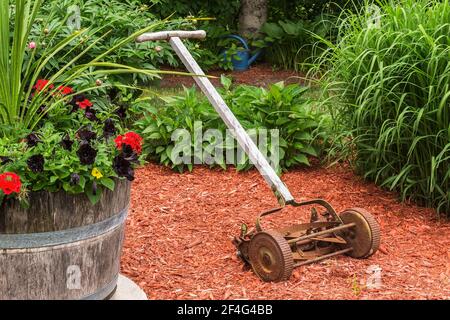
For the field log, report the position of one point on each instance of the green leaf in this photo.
(150, 128)
(93, 198)
(108, 183)
(299, 146)
(310, 150)
(273, 30)
(82, 182)
(241, 166)
(303, 136)
(301, 158)
(159, 149)
(154, 136)
(226, 82)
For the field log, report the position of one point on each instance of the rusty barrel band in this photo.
(55, 238)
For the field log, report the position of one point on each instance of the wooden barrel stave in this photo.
(74, 259)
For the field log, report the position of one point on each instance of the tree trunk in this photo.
(252, 17)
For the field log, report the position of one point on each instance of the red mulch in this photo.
(258, 75)
(178, 240)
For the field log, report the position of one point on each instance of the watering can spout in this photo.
(255, 56)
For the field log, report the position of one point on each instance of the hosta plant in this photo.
(302, 129)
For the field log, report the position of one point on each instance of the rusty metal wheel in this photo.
(364, 238)
(270, 256)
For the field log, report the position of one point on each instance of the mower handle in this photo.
(166, 35)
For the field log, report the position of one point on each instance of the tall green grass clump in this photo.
(388, 79)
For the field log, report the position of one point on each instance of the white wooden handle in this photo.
(166, 35)
(244, 140)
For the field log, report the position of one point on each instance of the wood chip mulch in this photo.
(261, 74)
(179, 231)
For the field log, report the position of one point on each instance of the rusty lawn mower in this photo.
(274, 253)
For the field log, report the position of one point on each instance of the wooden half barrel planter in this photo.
(62, 246)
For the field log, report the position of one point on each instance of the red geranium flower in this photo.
(9, 183)
(40, 85)
(65, 90)
(132, 139)
(84, 104)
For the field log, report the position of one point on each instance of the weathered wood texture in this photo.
(166, 35)
(84, 269)
(61, 211)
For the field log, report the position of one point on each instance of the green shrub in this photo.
(305, 9)
(225, 12)
(106, 23)
(290, 35)
(291, 44)
(286, 108)
(389, 79)
(216, 17)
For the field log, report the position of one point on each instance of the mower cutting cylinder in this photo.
(311, 236)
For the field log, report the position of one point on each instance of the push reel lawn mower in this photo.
(274, 253)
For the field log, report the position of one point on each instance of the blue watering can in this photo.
(242, 59)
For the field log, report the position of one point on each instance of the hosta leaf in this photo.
(310, 150)
(303, 136)
(154, 136)
(301, 158)
(273, 30)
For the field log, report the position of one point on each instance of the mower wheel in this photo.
(364, 238)
(270, 256)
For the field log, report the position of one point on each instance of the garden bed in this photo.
(178, 241)
(261, 74)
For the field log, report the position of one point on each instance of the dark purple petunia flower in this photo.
(66, 143)
(86, 153)
(36, 163)
(129, 154)
(4, 160)
(109, 130)
(85, 134)
(123, 167)
(90, 114)
(122, 112)
(76, 99)
(74, 179)
(32, 139)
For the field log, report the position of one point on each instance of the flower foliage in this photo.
(77, 148)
